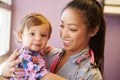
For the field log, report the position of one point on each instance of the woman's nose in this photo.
(65, 33)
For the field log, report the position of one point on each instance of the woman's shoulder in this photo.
(95, 74)
(90, 73)
(50, 50)
(54, 51)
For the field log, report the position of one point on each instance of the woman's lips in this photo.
(67, 42)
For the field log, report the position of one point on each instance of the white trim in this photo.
(5, 26)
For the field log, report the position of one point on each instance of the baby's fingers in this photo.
(14, 55)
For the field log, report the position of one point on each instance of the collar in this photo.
(76, 57)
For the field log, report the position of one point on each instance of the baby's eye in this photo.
(44, 35)
(32, 34)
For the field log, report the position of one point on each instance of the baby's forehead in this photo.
(43, 25)
(44, 28)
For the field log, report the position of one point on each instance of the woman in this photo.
(82, 29)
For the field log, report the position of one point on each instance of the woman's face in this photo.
(73, 30)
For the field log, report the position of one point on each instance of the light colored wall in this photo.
(52, 10)
(112, 48)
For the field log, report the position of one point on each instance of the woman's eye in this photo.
(73, 30)
(61, 26)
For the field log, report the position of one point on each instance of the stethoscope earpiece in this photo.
(89, 54)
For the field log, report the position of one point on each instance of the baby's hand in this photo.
(47, 49)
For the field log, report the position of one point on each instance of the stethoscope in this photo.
(59, 55)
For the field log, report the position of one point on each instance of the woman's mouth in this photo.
(67, 42)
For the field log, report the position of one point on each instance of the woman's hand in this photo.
(9, 69)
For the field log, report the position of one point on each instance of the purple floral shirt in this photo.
(34, 65)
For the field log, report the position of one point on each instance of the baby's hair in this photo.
(34, 19)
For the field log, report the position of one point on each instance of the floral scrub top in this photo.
(33, 63)
(72, 70)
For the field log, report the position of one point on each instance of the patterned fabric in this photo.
(33, 63)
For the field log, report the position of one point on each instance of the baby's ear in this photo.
(94, 31)
(19, 37)
(19, 34)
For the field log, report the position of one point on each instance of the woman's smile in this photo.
(67, 42)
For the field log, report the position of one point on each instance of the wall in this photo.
(52, 12)
(112, 48)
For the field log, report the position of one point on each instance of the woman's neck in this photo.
(69, 53)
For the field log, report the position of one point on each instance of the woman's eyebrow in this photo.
(69, 23)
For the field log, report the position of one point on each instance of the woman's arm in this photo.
(52, 76)
(8, 69)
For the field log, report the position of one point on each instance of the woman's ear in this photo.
(19, 37)
(94, 31)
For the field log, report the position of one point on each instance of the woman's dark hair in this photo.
(93, 14)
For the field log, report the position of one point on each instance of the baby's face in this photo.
(36, 37)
